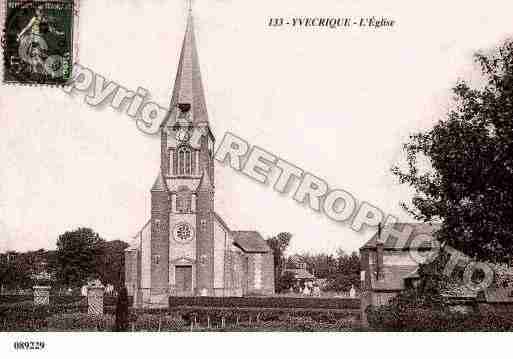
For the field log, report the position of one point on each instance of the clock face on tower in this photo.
(182, 135)
(183, 232)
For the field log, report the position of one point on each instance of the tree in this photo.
(279, 244)
(77, 256)
(346, 273)
(320, 264)
(285, 282)
(467, 184)
(110, 263)
(14, 272)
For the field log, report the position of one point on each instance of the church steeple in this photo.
(188, 87)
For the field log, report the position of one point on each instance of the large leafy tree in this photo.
(110, 263)
(14, 271)
(77, 256)
(341, 270)
(462, 168)
(347, 272)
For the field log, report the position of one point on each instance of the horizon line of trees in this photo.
(81, 255)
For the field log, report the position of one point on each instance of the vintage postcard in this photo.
(229, 166)
(38, 41)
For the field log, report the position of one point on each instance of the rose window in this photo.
(183, 232)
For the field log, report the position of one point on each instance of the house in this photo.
(388, 265)
(496, 299)
(300, 273)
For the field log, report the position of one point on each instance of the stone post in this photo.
(41, 294)
(95, 293)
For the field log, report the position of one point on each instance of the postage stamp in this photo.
(38, 41)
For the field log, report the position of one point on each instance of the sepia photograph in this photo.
(202, 172)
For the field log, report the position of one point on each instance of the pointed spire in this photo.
(160, 184)
(188, 88)
(205, 184)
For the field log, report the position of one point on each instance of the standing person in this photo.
(122, 315)
(352, 291)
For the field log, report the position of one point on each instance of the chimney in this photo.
(379, 256)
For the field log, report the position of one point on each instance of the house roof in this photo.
(300, 273)
(497, 295)
(459, 291)
(391, 243)
(250, 241)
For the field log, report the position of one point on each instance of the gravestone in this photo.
(95, 292)
(41, 294)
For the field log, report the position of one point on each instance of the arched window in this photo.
(185, 161)
(188, 162)
(183, 200)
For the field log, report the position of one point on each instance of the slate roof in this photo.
(300, 273)
(160, 184)
(497, 295)
(459, 291)
(391, 241)
(250, 241)
(188, 87)
(222, 222)
(205, 184)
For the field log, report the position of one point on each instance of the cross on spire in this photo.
(190, 5)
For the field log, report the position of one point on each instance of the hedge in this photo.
(6, 299)
(154, 323)
(423, 319)
(25, 315)
(54, 299)
(266, 302)
(80, 322)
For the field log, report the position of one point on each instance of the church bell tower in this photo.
(182, 235)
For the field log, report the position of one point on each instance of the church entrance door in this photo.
(183, 279)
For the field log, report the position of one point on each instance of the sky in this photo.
(338, 103)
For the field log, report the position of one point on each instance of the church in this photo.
(186, 248)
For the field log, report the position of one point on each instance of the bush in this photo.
(152, 323)
(388, 318)
(80, 322)
(65, 299)
(5, 299)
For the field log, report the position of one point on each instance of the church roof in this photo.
(221, 222)
(250, 241)
(391, 242)
(205, 184)
(188, 87)
(160, 184)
